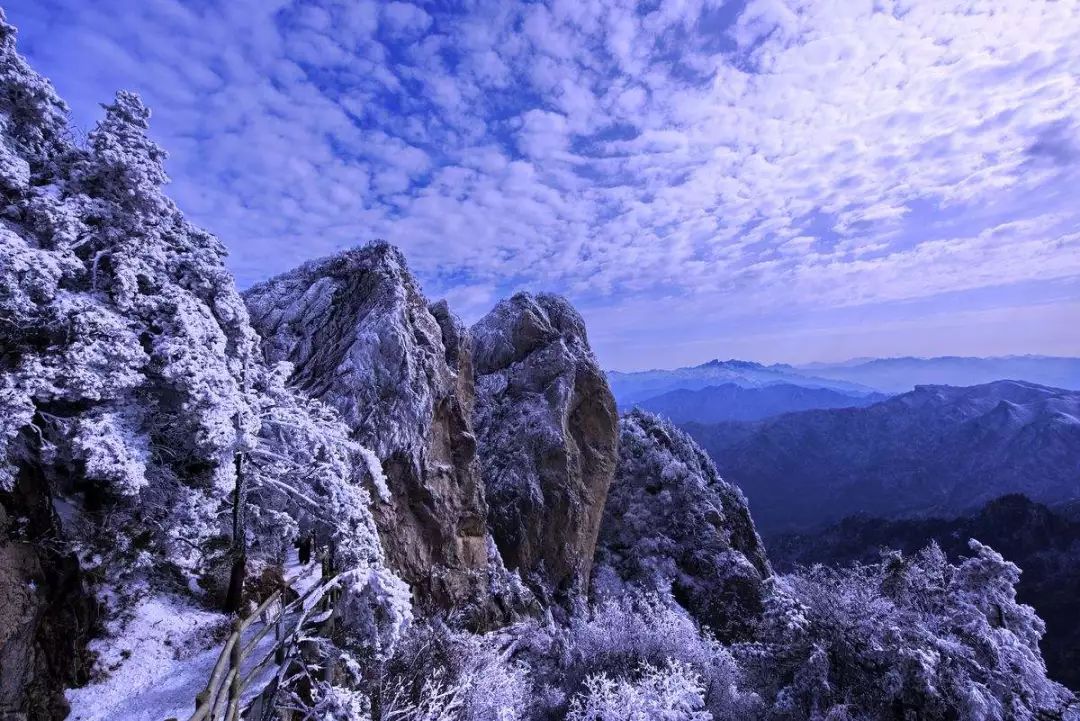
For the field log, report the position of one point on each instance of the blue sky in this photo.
(779, 180)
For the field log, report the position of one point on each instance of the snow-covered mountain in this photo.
(899, 375)
(491, 541)
(673, 525)
(731, 402)
(633, 387)
(361, 337)
(935, 450)
(150, 459)
(547, 436)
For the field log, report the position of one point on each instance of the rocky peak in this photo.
(547, 432)
(517, 327)
(363, 339)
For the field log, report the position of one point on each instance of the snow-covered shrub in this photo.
(911, 635)
(307, 694)
(375, 610)
(438, 673)
(672, 693)
(673, 526)
(619, 637)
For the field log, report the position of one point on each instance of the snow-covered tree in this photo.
(615, 640)
(125, 342)
(911, 637)
(440, 674)
(673, 525)
(130, 378)
(672, 693)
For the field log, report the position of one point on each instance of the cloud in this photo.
(758, 155)
(405, 19)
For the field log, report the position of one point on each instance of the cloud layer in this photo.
(737, 166)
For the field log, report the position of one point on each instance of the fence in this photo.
(221, 699)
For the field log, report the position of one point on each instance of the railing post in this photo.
(235, 658)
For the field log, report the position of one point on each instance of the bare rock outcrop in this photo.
(46, 611)
(673, 525)
(547, 430)
(362, 338)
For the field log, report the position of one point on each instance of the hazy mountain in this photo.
(1044, 543)
(935, 450)
(899, 375)
(630, 388)
(732, 402)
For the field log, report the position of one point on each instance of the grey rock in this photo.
(547, 429)
(46, 612)
(363, 339)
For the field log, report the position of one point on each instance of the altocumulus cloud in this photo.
(753, 167)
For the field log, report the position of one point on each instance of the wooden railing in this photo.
(221, 699)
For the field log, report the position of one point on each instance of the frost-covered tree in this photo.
(436, 673)
(125, 342)
(672, 693)
(131, 384)
(911, 637)
(618, 641)
(672, 525)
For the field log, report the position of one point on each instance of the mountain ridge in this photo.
(914, 454)
(632, 387)
(899, 374)
(732, 402)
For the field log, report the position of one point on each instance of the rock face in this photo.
(671, 524)
(46, 613)
(547, 429)
(363, 339)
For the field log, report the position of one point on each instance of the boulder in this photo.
(546, 426)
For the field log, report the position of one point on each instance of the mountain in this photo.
(631, 388)
(732, 402)
(166, 472)
(152, 466)
(935, 450)
(1045, 544)
(899, 375)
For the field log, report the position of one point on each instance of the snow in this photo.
(164, 656)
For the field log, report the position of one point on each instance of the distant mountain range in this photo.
(1042, 541)
(898, 375)
(732, 402)
(937, 450)
(858, 377)
(631, 388)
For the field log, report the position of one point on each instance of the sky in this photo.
(775, 180)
